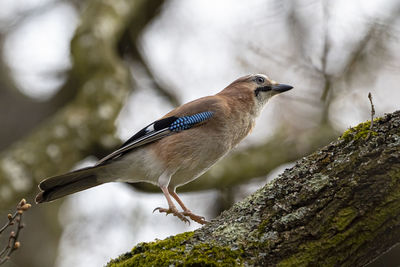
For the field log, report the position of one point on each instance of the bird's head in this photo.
(255, 88)
(265, 88)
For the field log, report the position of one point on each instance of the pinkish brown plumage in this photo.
(177, 148)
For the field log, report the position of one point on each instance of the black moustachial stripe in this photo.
(263, 88)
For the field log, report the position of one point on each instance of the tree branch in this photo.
(338, 206)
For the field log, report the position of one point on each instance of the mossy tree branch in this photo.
(340, 206)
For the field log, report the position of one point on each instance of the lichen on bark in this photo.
(337, 206)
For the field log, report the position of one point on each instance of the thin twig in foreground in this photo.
(15, 219)
(372, 110)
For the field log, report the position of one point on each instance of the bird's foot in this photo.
(194, 217)
(175, 212)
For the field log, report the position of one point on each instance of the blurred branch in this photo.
(7, 26)
(130, 46)
(86, 125)
(370, 53)
(370, 50)
(16, 219)
(18, 112)
(324, 60)
(157, 85)
(298, 29)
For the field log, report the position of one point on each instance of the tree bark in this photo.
(339, 206)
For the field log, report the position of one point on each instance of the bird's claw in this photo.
(174, 212)
(159, 208)
(194, 217)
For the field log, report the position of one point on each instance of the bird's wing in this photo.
(157, 130)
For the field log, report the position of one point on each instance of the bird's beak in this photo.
(280, 88)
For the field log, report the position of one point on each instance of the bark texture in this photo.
(339, 206)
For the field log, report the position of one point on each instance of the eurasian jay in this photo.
(177, 148)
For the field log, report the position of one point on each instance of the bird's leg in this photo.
(186, 211)
(171, 207)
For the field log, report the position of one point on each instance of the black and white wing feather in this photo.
(157, 130)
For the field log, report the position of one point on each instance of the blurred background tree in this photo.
(78, 77)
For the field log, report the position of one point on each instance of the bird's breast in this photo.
(190, 153)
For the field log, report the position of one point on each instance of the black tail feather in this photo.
(66, 184)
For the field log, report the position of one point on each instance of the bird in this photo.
(179, 147)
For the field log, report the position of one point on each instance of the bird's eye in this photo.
(260, 80)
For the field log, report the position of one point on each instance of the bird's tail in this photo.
(69, 183)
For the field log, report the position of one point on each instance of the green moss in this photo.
(344, 218)
(360, 131)
(342, 245)
(263, 225)
(177, 251)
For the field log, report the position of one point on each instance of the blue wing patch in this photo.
(186, 122)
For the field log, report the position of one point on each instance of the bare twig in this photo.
(15, 219)
(372, 110)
